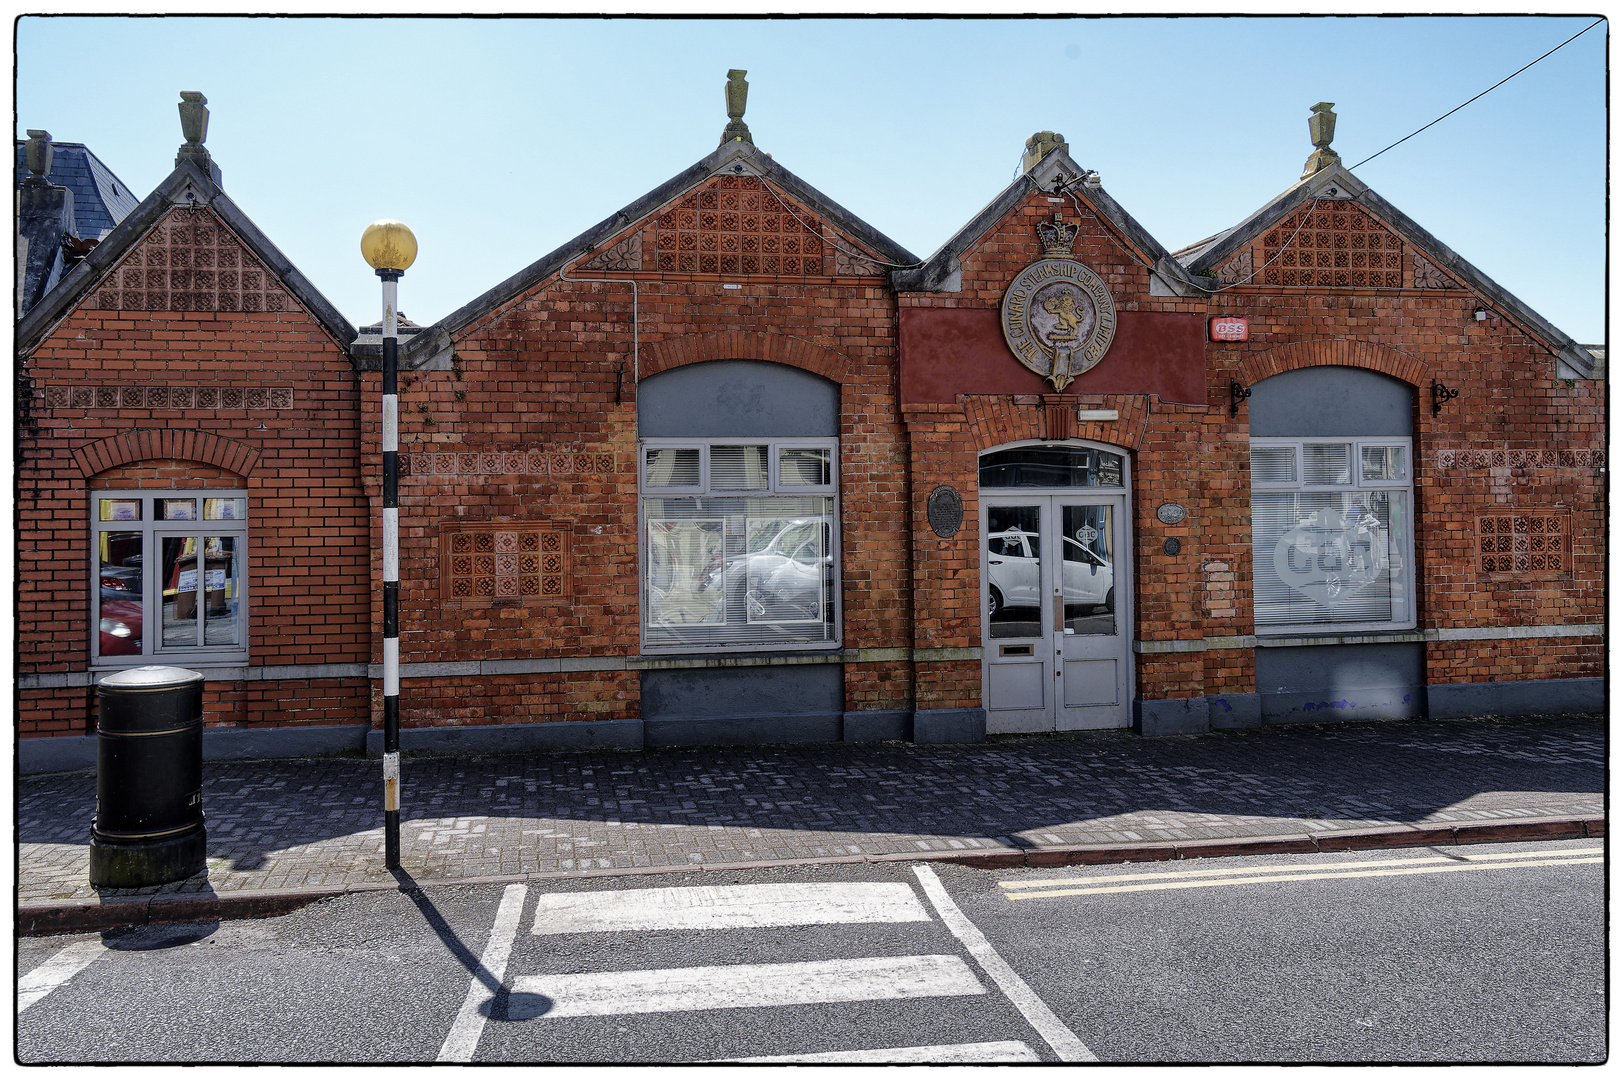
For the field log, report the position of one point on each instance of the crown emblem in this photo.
(1057, 237)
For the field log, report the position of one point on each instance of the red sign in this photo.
(1230, 328)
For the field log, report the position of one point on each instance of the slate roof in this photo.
(100, 199)
(181, 187)
(731, 158)
(1205, 256)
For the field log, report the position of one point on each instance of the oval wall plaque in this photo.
(946, 512)
(1170, 513)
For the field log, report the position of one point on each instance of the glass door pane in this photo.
(1014, 570)
(1088, 568)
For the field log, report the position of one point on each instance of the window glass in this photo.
(1051, 466)
(802, 467)
(1386, 463)
(721, 568)
(1273, 464)
(1327, 463)
(1014, 570)
(738, 468)
(191, 603)
(673, 467)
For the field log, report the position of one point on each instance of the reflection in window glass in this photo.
(1087, 568)
(178, 509)
(1330, 557)
(220, 593)
(120, 509)
(1386, 463)
(785, 577)
(225, 509)
(1051, 466)
(118, 572)
(1014, 594)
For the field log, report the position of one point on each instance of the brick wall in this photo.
(163, 396)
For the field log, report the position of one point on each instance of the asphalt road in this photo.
(1481, 953)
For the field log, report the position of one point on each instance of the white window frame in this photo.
(774, 488)
(153, 530)
(1358, 483)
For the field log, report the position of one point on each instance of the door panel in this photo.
(1057, 650)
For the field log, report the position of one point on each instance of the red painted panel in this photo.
(945, 352)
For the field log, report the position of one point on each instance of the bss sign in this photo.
(1230, 328)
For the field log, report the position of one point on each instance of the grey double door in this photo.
(1055, 587)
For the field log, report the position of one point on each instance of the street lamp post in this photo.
(390, 248)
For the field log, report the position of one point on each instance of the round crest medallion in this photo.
(1058, 319)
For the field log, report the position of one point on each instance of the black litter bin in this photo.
(148, 827)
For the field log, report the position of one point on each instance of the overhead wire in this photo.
(1495, 86)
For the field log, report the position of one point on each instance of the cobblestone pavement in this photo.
(318, 823)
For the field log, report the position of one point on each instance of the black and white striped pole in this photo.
(390, 248)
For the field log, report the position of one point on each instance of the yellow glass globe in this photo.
(388, 245)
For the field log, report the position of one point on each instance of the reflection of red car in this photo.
(120, 628)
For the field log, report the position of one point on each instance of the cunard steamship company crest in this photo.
(1058, 317)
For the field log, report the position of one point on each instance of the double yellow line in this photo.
(1251, 875)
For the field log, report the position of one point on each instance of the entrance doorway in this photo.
(1056, 588)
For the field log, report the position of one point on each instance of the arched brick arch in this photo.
(185, 445)
(742, 345)
(1341, 352)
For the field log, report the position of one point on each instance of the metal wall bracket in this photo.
(1440, 395)
(1237, 394)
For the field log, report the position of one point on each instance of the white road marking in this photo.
(744, 986)
(1038, 1015)
(1361, 864)
(1250, 878)
(721, 907)
(463, 1038)
(56, 971)
(955, 1054)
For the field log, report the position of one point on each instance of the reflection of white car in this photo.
(1014, 571)
(788, 575)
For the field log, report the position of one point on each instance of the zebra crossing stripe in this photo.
(1038, 1015)
(740, 986)
(56, 971)
(726, 907)
(463, 1038)
(985, 1053)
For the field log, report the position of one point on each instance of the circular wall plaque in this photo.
(1058, 319)
(1170, 513)
(946, 511)
(1171, 546)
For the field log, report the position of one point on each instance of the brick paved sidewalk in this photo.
(299, 828)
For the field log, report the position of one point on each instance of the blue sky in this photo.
(497, 140)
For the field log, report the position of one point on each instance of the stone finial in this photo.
(1322, 127)
(1039, 146)
(737, 91)
(38, 152)
(194, 125)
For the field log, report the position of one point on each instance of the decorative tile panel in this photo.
(141, 396)
(1236, 270)
(1336, 246)
(1518, 544)
(1461, 458)
(1427, 276)
(734, 225)
(495, 561)
(534, 461)
(190, 262)
(626, 255)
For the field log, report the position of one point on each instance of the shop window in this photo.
(169, 577)
(1332, 534)
(739, 543)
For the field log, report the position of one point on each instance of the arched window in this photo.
(1332, 501)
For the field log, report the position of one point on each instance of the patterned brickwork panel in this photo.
(145, 396)
(1512, 544)
(736, 226)
(190, 262)
(1338, 247)
(516, 562)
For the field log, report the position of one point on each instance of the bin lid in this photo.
(150, 677)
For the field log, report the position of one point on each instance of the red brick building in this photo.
(734, 466)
